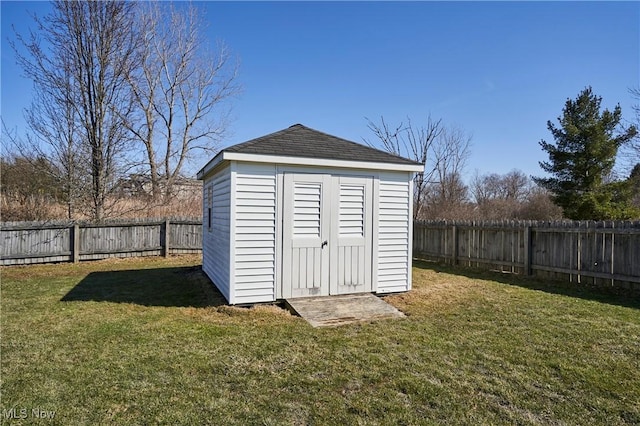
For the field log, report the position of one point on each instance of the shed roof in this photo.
(302, 141)
(299, 141)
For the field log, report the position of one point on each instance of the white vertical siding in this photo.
(254, 233)
(240, 249)
(394, 221)
(215, 240)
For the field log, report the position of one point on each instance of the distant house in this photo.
(139, 185)
(302, 213)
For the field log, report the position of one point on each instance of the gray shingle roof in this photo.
(301, 141)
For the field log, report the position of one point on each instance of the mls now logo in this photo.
(24, 413)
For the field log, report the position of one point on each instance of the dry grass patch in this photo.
(44, 208)
(434, 291)
(256, 315)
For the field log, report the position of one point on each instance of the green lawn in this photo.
(145, 341)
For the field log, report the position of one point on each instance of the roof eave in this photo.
(203, 172)
(307, 161)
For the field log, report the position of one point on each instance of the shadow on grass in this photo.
(179, 287)
(620, 297)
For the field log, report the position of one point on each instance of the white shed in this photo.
(302, 213)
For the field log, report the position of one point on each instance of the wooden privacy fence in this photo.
(37, 242)
(600, 253)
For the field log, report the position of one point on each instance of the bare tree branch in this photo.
(77, 61)
(631, 152)
(181, 92)
(411, 142)
(443, 151)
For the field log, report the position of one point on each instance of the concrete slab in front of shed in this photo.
(329, 311)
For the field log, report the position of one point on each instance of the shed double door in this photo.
(327, 234)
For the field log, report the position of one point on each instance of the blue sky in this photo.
(500, 70)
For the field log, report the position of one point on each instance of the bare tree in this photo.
(446, 198)
(538, 206)
(450, 154)
(511, 196)
(415, 143)
(500, 196)
(180, 91)
(53, 154)
(443, 151)
(28, 187)
(485, 187)
(632, 150)
(55, 135)
(514, 185)
(78, 60)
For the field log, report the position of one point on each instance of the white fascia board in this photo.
(304, 161)
(209, 166)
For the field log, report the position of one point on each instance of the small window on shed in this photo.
(209, 205)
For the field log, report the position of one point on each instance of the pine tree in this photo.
(634, 184)
(582, 159)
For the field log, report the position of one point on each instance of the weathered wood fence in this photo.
(38, 242)
(598, 253)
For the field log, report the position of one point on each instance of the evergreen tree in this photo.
(581, 161)
(634, 183)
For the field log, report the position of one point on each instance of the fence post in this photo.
(454, 237)
(528, 247)
(166, 238)
(75, 243)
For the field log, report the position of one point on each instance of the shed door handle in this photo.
(324, 243)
